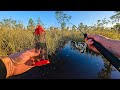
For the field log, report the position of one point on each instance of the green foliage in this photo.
(73, 27)
(81, 26)
(116, 17)
(31, 24)
(39, 22)
(10, 24)
(15, 38)
(117, 27)
(62, 18)
(12, 41)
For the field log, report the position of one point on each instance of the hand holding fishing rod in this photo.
(106, 53)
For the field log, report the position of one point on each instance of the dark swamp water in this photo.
(69, 63)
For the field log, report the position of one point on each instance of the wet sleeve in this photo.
(3, 70)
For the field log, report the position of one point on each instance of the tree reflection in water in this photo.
(105, 73)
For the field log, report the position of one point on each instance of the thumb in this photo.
(91, 36)
(33, 53)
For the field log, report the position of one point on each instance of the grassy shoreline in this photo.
(12, 41)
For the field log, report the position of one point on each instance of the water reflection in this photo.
(69, 63)
(106, 71)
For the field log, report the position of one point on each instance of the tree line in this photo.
(11, 24)
(62, 19)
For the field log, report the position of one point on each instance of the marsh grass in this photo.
(12, 41)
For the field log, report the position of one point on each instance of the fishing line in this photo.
(106, 53)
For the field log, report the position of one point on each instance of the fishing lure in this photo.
(81, 46)
(40, 44)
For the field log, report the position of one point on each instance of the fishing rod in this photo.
(106, 53)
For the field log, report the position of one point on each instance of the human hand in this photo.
(100, 39)
(20, 62)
